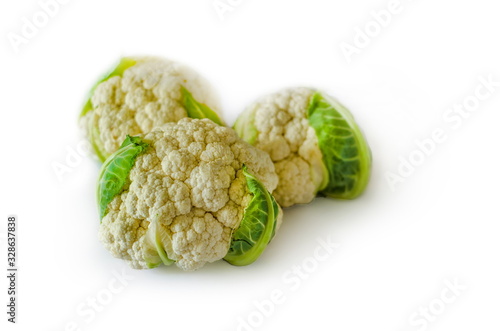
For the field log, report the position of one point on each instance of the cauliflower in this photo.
(187, 193)
(314, 142)
(139, 95)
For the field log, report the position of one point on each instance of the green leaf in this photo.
(157, 242)
(346, 154)
(196, 109)
(257, 227)
(152, 258)
(118, 70)
(96, 142)
(115, 171)
(245, 126)
(152, 265)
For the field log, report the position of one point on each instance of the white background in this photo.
(398, 248)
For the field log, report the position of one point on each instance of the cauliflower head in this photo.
(314, 142)
(140, 94)
(187, 193)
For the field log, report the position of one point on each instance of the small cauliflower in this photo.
(314, 142)
(140, 94)
(188, 193)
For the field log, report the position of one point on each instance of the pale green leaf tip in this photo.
(96, 143)
(162, 253)
(245, 127)
(198, 110)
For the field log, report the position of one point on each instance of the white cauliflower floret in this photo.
(145, 96)
(198, 238)
(190, 181)
(283, 131)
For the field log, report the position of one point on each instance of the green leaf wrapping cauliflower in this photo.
(140, 94)
(187, 193)
(314, 142)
